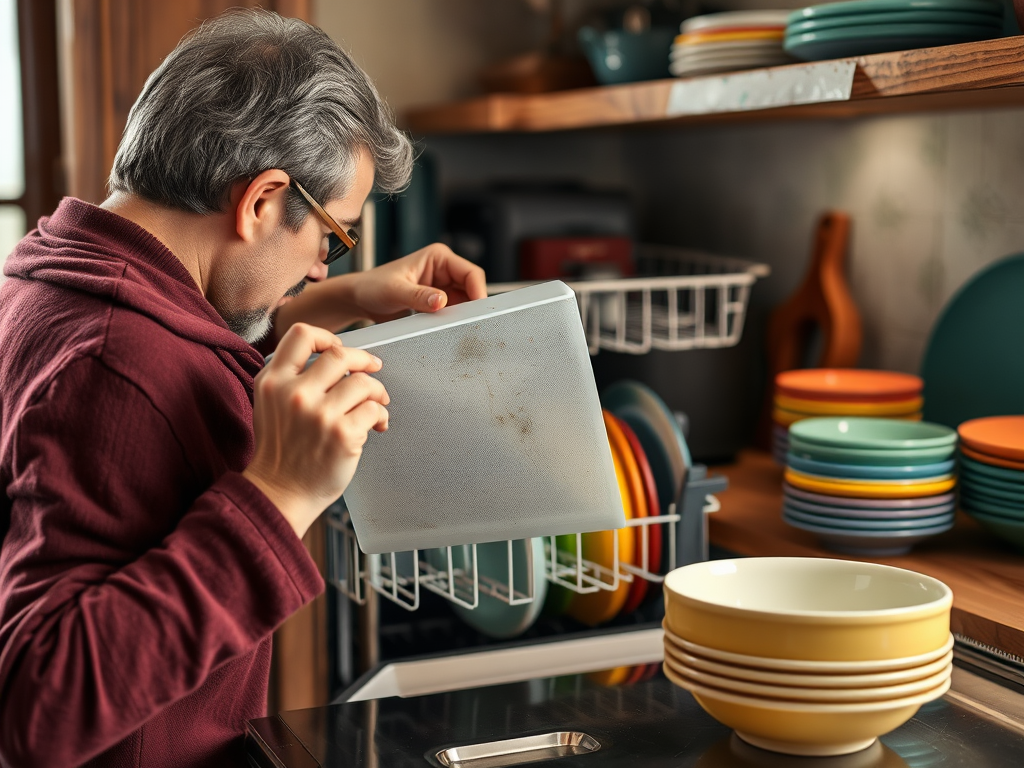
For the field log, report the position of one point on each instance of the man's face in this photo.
(275, 269)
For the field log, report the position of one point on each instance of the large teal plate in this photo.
(870, 433)
(971, 503)
(493, 616)
(923, 16)
(974, 361)
(968, 477)
(857, 7)
(867, 39)
(868, 472)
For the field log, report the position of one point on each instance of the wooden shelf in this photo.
(986, 575)
(971, 75)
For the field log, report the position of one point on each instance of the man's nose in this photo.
(317, 272)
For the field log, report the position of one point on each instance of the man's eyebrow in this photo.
(349, 223)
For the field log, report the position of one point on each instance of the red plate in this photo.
(854, 385)
(638, 592)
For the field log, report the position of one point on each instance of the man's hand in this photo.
(311, 424)
(424, 281)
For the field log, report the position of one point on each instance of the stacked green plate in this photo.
(860, 27)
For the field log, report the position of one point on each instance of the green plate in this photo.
(879, 434)
(988, 470)
(1011, 531)
(869, 456)
(974, 361)
(916, 16)
(971, 504)
(858, 7)
(881, 38)
(1012, 499)
(971, 477)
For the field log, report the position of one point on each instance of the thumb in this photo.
(426, 298)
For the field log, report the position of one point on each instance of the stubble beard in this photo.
(253, 325)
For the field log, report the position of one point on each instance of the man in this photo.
(157, 476)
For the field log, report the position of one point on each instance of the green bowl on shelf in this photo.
(875, 434)
(618, 56)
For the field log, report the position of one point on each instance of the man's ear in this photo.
(260, 208)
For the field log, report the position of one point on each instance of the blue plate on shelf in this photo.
(869, 525)
(971, 503)
(973, 478)
(856, 513)
(916, 16)
(882, 38)
(871, 543)
(870, 456)
(867, 471)
(993, 496)
(989, 470)
(492, 616)
(860, 7)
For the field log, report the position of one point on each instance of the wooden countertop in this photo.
(985, 574)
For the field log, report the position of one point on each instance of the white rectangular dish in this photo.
(495, 427)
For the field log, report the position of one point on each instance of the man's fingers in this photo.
(298, 344)
(369, 415)
(353, 391)
(337, 361)
(467, 275)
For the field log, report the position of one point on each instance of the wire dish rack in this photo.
(401, 576)
(679, 300)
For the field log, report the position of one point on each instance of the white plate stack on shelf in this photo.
(731, 41)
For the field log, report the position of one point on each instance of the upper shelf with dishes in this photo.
(986, 73)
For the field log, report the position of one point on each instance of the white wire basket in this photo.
(679, 300)
(401, 576)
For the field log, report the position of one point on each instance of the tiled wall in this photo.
(933, 199)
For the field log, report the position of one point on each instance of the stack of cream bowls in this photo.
(807, 656)
(725, 42)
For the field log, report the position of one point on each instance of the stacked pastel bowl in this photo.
(992, 474)
(730, 41)
(869, 486)
(814, 392)
(807, 656)
(838, 30)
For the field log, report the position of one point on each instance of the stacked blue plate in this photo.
(870, 486)
(992, 475)
(860, 27)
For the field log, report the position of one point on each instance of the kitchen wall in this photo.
(933, 197)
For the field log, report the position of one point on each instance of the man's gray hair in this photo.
(246, 92)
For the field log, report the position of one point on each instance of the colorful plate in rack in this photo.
(493, 616)
(654, 533)
(637, 501)
(596, 608)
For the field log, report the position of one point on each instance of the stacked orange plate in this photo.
(815, 392)
(992, 474)
(807, 656)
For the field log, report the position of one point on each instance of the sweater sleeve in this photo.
(121, 587)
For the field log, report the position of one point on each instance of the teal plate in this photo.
(875, 434)
(1011, 531)
(916, 16)
(989, 470)
(872, 543)
(494, 617)
(868, 472)
(971, 479)
(970, 503)
(974, 361)
(868, 39)
(868, 525)
(1010, 499)
(870, 456)
(858, 7)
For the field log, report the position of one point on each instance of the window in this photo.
(12, 143)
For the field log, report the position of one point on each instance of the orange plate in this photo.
(1000, 436)
(638, 498)
(842, 408)
(788, 418)
(853, 385)
(598, 607)
(995, 461)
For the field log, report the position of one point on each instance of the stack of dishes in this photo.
(992, 474)
(870, 486)
(816, 392)
(860, 27)
(725, 42)
(651, 458)
(807, 656)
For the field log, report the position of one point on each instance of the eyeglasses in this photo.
(339, 242)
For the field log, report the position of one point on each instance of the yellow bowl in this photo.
(903, 489)
(805, 728)
(808, 609)
(834, 681)
(839, 408)
(801, 693)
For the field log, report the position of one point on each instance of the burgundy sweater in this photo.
(141, 576)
